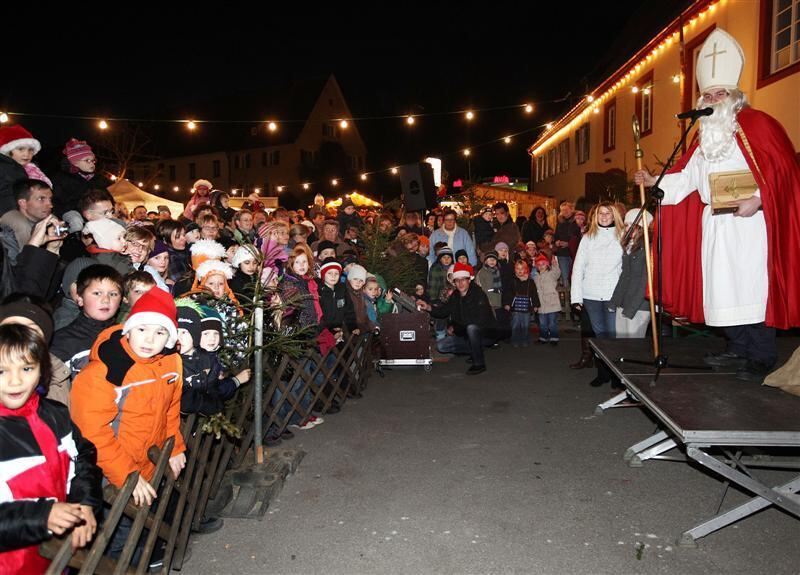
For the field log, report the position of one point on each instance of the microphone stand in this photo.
(659, 361)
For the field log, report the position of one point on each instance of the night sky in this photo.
(157, 64)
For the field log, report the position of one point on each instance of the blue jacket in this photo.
(461, 241)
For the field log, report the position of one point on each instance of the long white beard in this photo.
(718, 131)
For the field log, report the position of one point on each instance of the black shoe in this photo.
(272, 440)
(725, 359)
(334, 408)
(287, 434)
(754, 371)
(209, 525)
(476, 369)
(598, 381)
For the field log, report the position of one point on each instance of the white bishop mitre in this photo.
(720, 62)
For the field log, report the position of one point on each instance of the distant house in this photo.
(256, 159)
(589, 152)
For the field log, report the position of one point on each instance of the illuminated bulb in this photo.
(470, 115)
(176, 189)
(305, 186)
(3, 118)
(363, 177)
(395, 170)
(103, 125)
(156, 187)
(191, 125)
(467, 152)
(590, 98)
(141, 184)
(635, 89)
(257, 191)
(343, 124)
(279, 189)
(334, 182)
(272, 126)
(549, 126)
(507, 139)
(676, 79)
(646, 91)
(712, 8)
(410, 120)
(597, 110)
(528, 108)
(113, 178)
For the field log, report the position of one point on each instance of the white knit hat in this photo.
(357, 272)
(202, 183)
(104, 231)
(242, 254)
(630, 215)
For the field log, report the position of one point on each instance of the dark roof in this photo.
(239, 109)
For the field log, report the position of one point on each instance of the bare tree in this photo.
(124, 144)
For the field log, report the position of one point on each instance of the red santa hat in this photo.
(77, 150)
(13, 137)
(156, 307)
(541, 259)
(463, 271)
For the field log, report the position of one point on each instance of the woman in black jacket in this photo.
(533, 230)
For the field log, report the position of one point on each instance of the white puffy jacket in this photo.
(597, 266)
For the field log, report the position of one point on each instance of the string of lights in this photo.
(273, 123)
(506, 139)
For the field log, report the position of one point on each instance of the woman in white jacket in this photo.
(597, 268)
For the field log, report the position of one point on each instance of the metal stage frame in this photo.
(713, 419)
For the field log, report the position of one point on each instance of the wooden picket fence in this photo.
(297, 387)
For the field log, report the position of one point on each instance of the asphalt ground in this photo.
(506, 472)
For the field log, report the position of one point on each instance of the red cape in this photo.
(779, 183)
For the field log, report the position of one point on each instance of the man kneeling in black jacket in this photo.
(472, 322)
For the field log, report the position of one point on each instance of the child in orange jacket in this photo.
(128, 397)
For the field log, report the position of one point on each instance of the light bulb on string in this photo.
(528, 108)
(363, 177)
(191, 125)
(256, 190)
(306, 186)
(176, 189)
(676, 79)
(113, 178)
(470, 115)
(103, 125)
(279, 189)
(507, 139)
(272, 126)
(635, 89)
(343, 124)
(410, 120)
(3, 118)
(140, 184)
(590, 98)
(334, 182)
(548, 126)
(156, 187)
(395, 171)
(467, 152)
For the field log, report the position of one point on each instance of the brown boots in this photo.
(587, 357)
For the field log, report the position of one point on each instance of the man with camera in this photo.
(32, 237)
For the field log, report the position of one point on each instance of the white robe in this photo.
(734, 250)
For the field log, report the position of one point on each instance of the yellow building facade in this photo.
(589, 152)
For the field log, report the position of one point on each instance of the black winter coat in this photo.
(471, 308)
(73, 343)
(632, 284)
(203, 391)
(10, 172)
(533, 232)
(23, 520)
(68, 188)
(337, 307)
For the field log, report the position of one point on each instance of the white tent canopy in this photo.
(126, 193)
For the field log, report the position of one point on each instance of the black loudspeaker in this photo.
(419, 191)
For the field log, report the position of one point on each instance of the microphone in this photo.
(694, 114)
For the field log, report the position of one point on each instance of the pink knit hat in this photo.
(77, 150)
